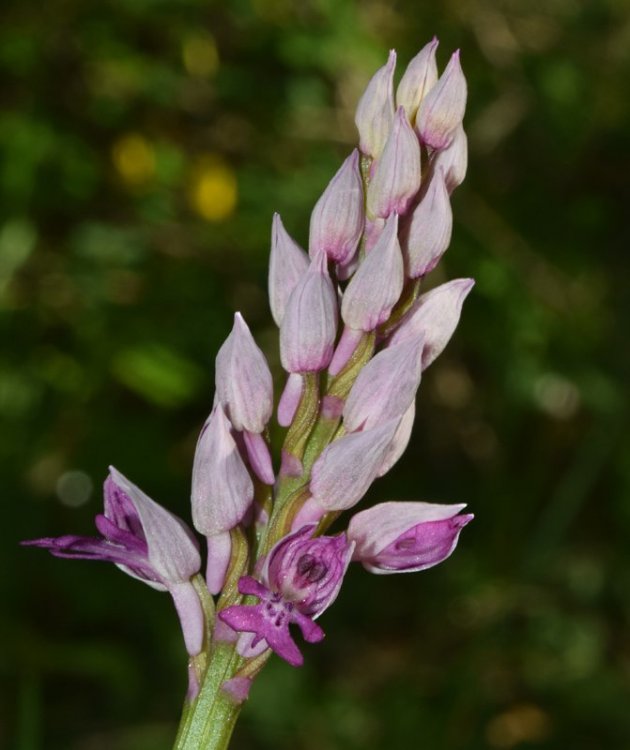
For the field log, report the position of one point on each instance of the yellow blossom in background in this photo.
(213, 190)
(200, 55)
(134, 159)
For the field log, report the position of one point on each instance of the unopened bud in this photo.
(442, 109)
(396, 177)
(375, 112)
(338, 216)
(419, 78)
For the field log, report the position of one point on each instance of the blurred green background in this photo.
(145, 145)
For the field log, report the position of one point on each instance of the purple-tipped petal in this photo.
(337, 219)
(290, 399)
(406, 537)
(385, 387)
(375, 112)
(259, 456)
(427, 233)
(309, 327)
(453, 161)
(396, 176)
(243, 380)
(346, 468)
(418, 79)
(376, 286)
(287, 264)
(442, 109)
(222, 489)
(400, 441)
(171, 547)
(434, 318)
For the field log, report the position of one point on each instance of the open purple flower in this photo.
(146, 541)
(301, 578)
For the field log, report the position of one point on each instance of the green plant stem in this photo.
(207, 723)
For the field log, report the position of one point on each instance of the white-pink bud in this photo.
(396, 177)
(287, 264)
(376, 286)
(385, 387)
(419, 78)
(375, 112)
(338, 217)
(427, 233)
(243, 380)
(453, 161)
(309, 326)
(434, 318)
(442, 109)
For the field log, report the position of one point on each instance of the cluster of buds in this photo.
(356, 334)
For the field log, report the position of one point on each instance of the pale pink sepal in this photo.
(172, 550)
(191, 616)
(309, 327)
(249, 645)
(396, 174)
(259, 456)
(375, 111)
(434, 318)
(222, 489)
(346, 468)
(385, 387)
(442, 109)
(219, 553)
(400, 441)
(287, 264)
(376, 286)
(405, 537)
(237, 688)
(243, 380)
(348, 342)
(453, 161)
(427, 233)
(418, 79)
(337, 219)
(290, 399)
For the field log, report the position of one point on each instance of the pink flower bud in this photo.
(287, 264)
(453, 161)
(442, 109)
(434, 318)
(405, 537)
(338, 216)
(290, 399)
(419, 78)
(346, 468)
(376, 286)
(400, 441)
(427, 233)
(385, 387)
(375, 112)
(243, 380)
(396, 176)
(309, 326)
(222, 489)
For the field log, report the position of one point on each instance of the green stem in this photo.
(208, 722)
